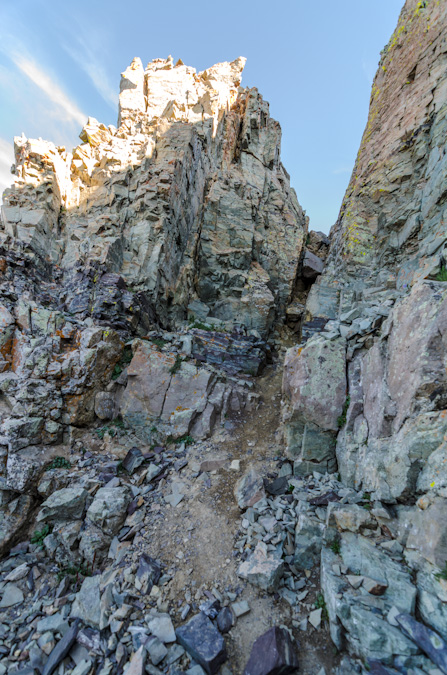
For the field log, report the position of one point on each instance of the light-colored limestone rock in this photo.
(261, 569)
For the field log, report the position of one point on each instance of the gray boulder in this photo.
(63, 505)
(203, 642)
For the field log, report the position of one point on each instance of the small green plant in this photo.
(59, 463)
(111, 428)
(203, 326)
(336, 545)
(290, 489)
(159, 342)
(39, 535)
(442, 274)
(187, 440)
(442, 575)
(176, 366)
(124, 361)
(320, 603)
(76, 573)
(367, 500)
(341, 420)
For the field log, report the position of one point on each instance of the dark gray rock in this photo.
(203, 642)
(277, 487)
(324, 500)
(225, 620)
(377, 668)
(61, 649)
(312, 265)
(426, 639)
(272, 654)
(148, 573)
(233, 353)
(133, 460)
(210, 608)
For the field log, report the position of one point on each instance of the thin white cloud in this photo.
(48, 85)
(90, 64)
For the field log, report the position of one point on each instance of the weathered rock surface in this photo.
(273, 654)
(261, 569)
(382, 293)
(141, 277)
(204, 642)
(205, 215)
(314, 387)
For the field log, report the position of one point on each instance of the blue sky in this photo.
(313, 61)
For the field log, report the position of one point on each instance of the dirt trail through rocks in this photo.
(195, 539)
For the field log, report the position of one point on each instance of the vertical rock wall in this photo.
(187, 200)
(380, 294)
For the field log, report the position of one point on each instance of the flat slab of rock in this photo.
(87, 604)
(61, 649)
(212, 464)
(249, 489)
(272, 654)
(161, 626)
(315, 618)
(312, 265)
(18, 573)
(203, 642)
(325, 499)
(11, 595)
(426, 639)
(262, 570)
(240, 608)
(176, 496)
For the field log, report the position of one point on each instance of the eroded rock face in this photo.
(392, 214)
(182, 213)
(187, 200)
(378, 290)
(314, 387)
(393, 442)
(383, 293)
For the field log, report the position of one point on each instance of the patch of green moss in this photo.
(341, 420)
(124, 361)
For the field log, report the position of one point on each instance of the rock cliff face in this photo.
(380, 294)
(187, 201)
(366, 391)
(183, 212)
(179, 227)
(146, 279)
